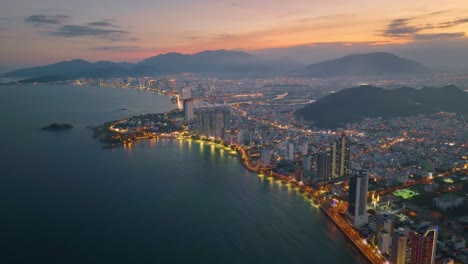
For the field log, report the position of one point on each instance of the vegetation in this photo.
(352, 105)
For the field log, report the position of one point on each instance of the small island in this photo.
(58, 127)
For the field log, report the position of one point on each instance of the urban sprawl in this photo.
(396, 187)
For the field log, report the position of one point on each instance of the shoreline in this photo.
(316, 202)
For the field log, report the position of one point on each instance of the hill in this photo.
(377, 64)
(218, 61)
(354, 104)
(68, 68)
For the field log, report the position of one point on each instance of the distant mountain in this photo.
(352, 105)
(68, 68)
(219, 61)
(375, 64)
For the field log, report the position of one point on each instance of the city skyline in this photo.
(48, 31)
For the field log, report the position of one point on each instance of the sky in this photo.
(37, 32)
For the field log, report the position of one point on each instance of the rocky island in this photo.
(58, 127)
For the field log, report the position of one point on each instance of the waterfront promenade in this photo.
(334, 213)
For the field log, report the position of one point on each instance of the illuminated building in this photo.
(340, 157)
(357, 199)
(213, 122)
(171, 84)
(423, 244)
(383, 241)
(186, 91)
(188, 109)
(399, 247)
(335, 161)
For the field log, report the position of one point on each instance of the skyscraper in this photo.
(384, 241)
(340, 157)
(186, 91)
(324, 165)
(242, 136)
(171, 84)
(423, 244)
(188, 109)
(307, 163)
(298, 174)
(399, 245)
(334, 162)
(305, 148)
(289, 151)
(213, 122)
(357, 201)
(265, 155)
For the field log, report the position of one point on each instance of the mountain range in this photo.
(354, 104)
(376, 64)
(222, 62)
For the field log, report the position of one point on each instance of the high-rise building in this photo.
(242, 136)
(188, 109)
(289, 151)
(265, 155)
(307, 163)
(213, 122)
(423, 243)
(171, 84)
(298, 174)
(324, 165)
(186, 91)
(305, 148)
(399, 246)
(384, 222)
(357, 201)
(383, 241)
(340, 152)
(334, 162)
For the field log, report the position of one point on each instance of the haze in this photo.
(47, 31)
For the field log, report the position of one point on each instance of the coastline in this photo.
(331, 214)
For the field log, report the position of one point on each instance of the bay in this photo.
(64, 199)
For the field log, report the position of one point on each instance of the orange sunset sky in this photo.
(47, 31)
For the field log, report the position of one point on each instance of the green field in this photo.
(405, 193)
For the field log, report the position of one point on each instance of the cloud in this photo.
(334, 17)
(452, 23)
(222, 36)
(194, 37)
(439, 36)
(103, 23)
(73, 31)
(437, 13)
(39, 20)
(401, 28)
(117, 48)
(103, 29)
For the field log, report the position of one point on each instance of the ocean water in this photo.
(64, 199)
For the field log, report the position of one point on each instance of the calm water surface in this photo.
(64, 199)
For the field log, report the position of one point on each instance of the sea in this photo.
(66, 199)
